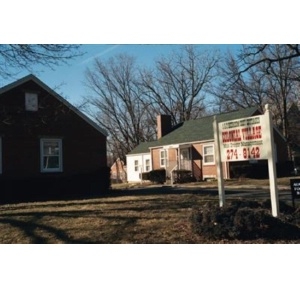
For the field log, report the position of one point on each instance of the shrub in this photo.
(183, 176)
(146, 176)
(157, 176)
(245, 220)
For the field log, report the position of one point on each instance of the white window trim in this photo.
(0, 155)
(165, 158)
(203, 148)
(51, 170)
(136, 166)
(147, 165)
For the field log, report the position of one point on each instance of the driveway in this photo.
(238, 191)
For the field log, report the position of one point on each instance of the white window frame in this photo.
(163, 158)
(213, 154)
(136, 165)
(60, 156)
(147, 165)
(0, 155)
(31, 102)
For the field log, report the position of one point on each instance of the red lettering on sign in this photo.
(251, 133)
(231, 136)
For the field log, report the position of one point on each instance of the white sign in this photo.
(243, 139)
(246, 139)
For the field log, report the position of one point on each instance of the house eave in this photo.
(54, 94)
(182, 144)
(135, 154)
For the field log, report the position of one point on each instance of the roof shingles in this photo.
(194, 130)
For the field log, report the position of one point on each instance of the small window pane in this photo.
(208, 150)
(136, 165)
(147, 164)
(51, 155)
(209, 158)
(163, 157)
(51, 148)
(51, 162)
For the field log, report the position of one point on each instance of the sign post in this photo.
(248, 139)
(271, 164)
(219, 164)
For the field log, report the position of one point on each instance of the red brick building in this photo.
(44, 139)
(118, 172)
(190, 146)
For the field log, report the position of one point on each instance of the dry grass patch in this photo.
(152, 215)
(122, 219)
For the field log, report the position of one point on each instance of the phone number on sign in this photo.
(243, 153)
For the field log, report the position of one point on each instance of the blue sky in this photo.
(118, 21)
(68, 79)
(123, 22)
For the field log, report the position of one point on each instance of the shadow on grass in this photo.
(34, 231)
(30, 229)
(101, 221)
(147, 191)
(106, 218)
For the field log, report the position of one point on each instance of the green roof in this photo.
(194, 130)
(142, 148)
(201, 129)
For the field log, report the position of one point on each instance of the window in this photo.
(136, 165)
(31, 101)
(0, 155)
(163, 158)
(51, 155)
(185, 154)
(208, 154)
(147, 165)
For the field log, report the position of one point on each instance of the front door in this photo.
(185, 159)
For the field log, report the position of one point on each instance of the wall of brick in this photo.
(83, 147)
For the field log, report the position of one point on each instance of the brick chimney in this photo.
(164, 125)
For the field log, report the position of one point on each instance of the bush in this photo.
(183, 176)
(158, 176)
(146, 176)
(244, 220)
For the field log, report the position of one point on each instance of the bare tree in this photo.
(253, 55)
(255, 77)
(235, 91)
(283, 87)
(115, 103)
(126, 100)
(15, 57)
(178, 84)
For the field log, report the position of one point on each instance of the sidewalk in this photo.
(235, 186)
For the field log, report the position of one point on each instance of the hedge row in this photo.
(156, 176)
